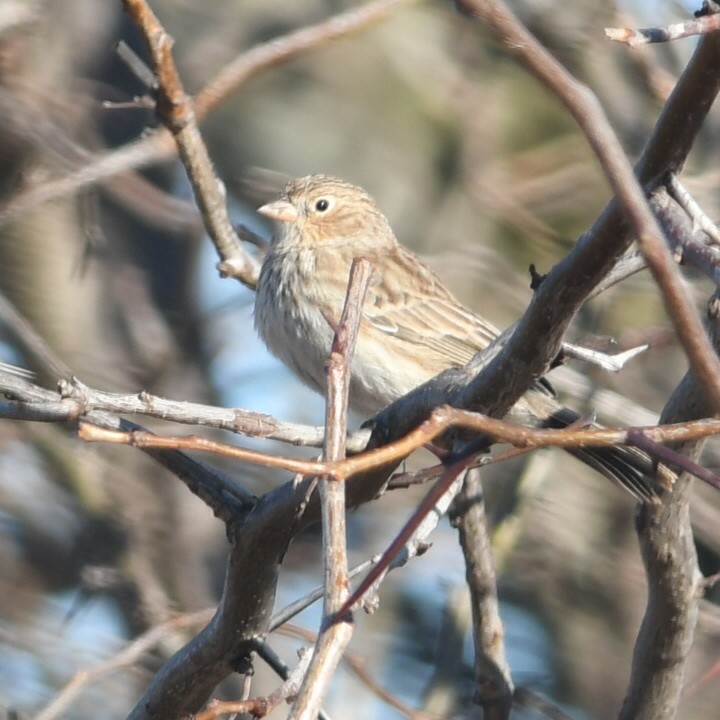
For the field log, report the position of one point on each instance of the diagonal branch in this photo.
(585, 109)
(176, 111)
(497, 379)
(158, 146)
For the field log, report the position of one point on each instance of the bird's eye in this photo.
(322, 204)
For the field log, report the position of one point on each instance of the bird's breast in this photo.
(287, 316)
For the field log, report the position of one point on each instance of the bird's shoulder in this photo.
(408, 301)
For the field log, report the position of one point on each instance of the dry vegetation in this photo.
(486, 157)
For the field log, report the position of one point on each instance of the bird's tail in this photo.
(629, 467)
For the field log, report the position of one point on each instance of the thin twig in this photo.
(689, 242)
(127, 657)
(447, 486)
(334, 638)
(416, 543)
(176, 112)
(30, 340)
(285, 614)
(643, 36)
(442, 419)
(692, 207)
(680, 462)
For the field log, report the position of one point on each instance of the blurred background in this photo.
(481, 172)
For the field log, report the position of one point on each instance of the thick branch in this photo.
(674, 579)
(494, 383)
(585, 109)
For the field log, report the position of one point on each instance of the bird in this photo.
(412, 327)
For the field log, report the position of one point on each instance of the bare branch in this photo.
(692, 208)
(412, 541)
(333, 639)
(175, 110)
(689, 241)
(444, 490)
(244, 422)
(611, 363)
(495, 686)
(585, 109)
(287, 613)
(159, 145)
(441, 420)
(290, 47)
(676, 31)
(674, 578)
(128, 657)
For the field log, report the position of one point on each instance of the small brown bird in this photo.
(412, 327)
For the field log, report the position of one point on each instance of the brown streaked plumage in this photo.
(412, 327)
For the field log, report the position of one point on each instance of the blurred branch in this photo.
(358, 667)
(127, 658)
(658, 80)
(532, 700)
(159, 145)
(30, 341)
(440, 695)
(287, 48)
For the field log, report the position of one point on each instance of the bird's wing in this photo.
(408, 303)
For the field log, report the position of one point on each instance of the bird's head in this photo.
(323, 210)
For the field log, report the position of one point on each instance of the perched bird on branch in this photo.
(412, 326)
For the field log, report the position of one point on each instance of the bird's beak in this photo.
(280, 210)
